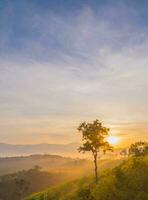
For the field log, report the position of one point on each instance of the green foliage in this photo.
(18, 185)
(93, 135)
(125, 182)
(138, 149)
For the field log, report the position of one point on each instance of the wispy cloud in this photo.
(66, 68)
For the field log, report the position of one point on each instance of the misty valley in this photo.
(73, 99)
(22, 176)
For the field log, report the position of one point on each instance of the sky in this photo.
(63, 62)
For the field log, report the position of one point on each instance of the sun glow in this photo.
(113, 140)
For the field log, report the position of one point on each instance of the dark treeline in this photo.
(18, 185)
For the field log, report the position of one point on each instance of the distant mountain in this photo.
(43, 148)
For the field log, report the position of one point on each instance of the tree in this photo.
(93, 136)
(138, 149)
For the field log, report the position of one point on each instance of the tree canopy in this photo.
(138, 149)
(93, 137)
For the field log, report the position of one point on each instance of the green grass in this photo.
(128, 181)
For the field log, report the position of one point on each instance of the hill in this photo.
(125, 182)
(17, 185)
(46, 162)
(22, 183)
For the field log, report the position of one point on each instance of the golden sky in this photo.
(60, 66)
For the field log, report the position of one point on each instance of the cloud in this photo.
(67, 69)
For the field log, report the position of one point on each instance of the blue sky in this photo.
(63, 62)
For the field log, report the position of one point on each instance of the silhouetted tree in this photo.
(93, 136)
(138, 149)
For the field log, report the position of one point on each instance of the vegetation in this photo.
(18, 185)
(138, 149)
(125, 182)
(23, 183)
(93, 135)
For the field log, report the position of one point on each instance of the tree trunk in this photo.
(96, 167)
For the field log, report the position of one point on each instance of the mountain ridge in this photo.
(41, 148)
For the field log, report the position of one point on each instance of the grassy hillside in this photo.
(128, 181)
(59, 170)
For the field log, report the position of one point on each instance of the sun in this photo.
(113, 140)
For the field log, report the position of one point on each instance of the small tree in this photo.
(93, 136)
(138, 149)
